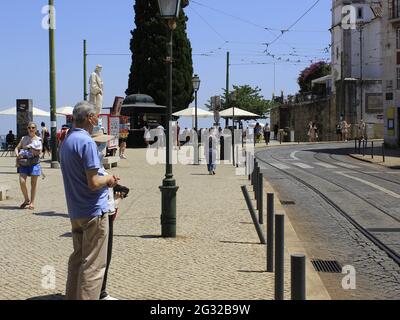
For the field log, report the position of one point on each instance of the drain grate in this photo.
(328, 266)
(287, 202)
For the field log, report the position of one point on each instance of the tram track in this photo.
(369, 235)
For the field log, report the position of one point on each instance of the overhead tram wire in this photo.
(268, 29)
(293, 24)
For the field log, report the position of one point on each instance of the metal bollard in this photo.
(253, 214)
(260, 198)
(363, 148)
(298, 276)
(383, 151)
(237, 156)
(279, 256)
(270, 232)
(372, 151)
(255, 189)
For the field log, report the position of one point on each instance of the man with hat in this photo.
(87, 199)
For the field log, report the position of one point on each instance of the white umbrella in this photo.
(36, 112)
(65, 111)
(239, 113)
(191, 111)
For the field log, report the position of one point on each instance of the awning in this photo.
(322, 80)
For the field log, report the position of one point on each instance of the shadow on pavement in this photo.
(236, 242)
(133, 236)
(67, 235)
(51, 214)
(252, 271)
(57, 296)
(10, 207)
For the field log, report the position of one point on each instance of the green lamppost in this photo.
(232, 99)
(53, 104)
(169, 10)
(196, 87)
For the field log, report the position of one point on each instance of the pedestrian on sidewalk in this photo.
(361, 132)
(267, 134)
(45, 135)
(210, 152)
(113, 200)
(344, 127)
(276, 129)
(87, 195)
(28, 164)
(257, 133)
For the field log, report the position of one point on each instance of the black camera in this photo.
(122, 190)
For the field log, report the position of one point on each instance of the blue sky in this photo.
(214, 27)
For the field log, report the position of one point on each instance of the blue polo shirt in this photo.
(79, 154)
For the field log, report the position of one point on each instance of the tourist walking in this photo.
(45, 135)
(210, 152)
(344, 127)
(28, 163)
(276, 129)
(87, 195)
(257, 133)
(267, 134)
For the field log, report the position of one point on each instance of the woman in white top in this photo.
(27, 153)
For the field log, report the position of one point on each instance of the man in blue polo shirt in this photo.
(86, 193)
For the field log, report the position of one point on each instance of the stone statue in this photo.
(96, 89)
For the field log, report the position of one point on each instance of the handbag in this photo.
(28, 162)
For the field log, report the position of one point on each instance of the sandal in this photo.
(26, 203)
(31, 207)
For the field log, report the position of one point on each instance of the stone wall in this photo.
(296, 117)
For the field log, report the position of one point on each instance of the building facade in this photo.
(391, 71)
(357, 63)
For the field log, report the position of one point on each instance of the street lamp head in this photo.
(169, 9)
(196, 82)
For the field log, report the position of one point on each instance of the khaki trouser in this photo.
(87, 264)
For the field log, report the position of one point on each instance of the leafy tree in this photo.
(246, 98)
(314, 71)
(149, 50)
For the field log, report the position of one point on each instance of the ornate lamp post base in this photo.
(168, 208)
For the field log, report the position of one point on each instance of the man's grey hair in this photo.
(82, 110)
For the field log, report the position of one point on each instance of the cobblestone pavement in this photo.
(215, 256)
(328, 235)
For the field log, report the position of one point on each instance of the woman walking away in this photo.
(45, 135)
(210, 152)
(28, 153)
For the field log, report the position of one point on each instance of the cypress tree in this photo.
(149, 49)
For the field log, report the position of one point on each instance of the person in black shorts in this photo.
(45, 135)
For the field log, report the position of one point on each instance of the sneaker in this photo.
(122, 156)
(108, 297)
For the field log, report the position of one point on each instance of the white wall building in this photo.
(391, 71)
(357, 63)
